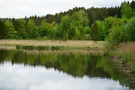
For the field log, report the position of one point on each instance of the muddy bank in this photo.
(125, 68)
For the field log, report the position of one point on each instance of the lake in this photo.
(22, 70)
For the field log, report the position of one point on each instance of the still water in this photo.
(57, 71)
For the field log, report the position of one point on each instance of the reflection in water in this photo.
(18, 77)
(52, 71)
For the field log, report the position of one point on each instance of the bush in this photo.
(18, 47)
(57, 48)
(133, 70)
(113, 39)
(120, 34)
(43, 48)
(29, 47)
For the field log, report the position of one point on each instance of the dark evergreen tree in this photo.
(1, 29)
(132, 4)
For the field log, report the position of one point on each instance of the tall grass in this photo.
(70, 43)
(127, 48)
(54, 44)
(127, 52)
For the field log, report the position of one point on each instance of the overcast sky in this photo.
(22, 8)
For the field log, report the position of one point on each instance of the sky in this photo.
(22, 8)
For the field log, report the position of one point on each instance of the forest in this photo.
(114, 24)
(106, 35)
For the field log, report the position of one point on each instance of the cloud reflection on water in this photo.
(20, 77)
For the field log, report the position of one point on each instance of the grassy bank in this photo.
(127, 53)
(123, 57)
(53, 44)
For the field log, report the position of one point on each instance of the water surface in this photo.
(57, 71)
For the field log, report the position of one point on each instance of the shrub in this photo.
(120, 34)
(43, 48)
(18, 47)
(113, 39)
(29, 47)
(57, 48)
(133, 70)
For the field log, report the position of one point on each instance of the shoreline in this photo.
(125, 68)
(90, 47)
(68, 45)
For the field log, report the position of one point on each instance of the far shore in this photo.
(11, 44)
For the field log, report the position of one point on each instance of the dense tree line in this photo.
(75, 24)
(122, 29)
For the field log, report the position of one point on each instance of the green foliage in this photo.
(126, 58)
(47, 30)
(43, 29)
(59, 30)
(28, 47)
(74, 27)
(130, 30)
(31, 30)
(114, 37)
(57, 48)
(9, 30)
(20, 28)
(2, 29)
(73, 24)
(133, 70)
(43, 47)
(111, 22)
(18, 47)
(126, 10)
(64, 28)
(132, 5)
(99, 31)
(123, 33)
(52, 35)
(94, 32)
(79, 24)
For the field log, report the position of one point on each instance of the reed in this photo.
(54, 45)
(127, 53)
(127, 48)
(70, 43)
(133, 70)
